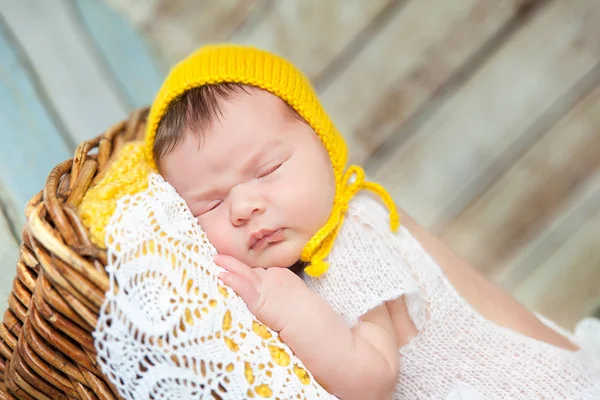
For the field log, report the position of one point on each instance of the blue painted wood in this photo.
(80, 90)
(30, 142)
(9, 253)
(123, 50)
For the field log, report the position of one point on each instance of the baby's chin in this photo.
(282, 257)
(286, 262)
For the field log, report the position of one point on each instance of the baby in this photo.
(381, 313)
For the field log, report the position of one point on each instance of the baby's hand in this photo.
(270, 294)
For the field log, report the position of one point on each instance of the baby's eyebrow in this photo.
(204, 193)
(256, 158)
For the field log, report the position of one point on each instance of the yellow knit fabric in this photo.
(246, 65)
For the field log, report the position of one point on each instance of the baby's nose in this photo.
(245, 204)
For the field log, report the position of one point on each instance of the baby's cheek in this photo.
(224, 241)
(215, 237)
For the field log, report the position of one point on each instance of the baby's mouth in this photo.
(262, 238)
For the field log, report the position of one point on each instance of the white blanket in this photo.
(168, 328)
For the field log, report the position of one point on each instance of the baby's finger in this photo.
(248, 293)
(236, 267)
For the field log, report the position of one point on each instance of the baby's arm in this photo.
(351, 363)
(357, 363)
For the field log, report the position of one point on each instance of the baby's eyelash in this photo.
(217, 204)
(212, 207)
(270, 170)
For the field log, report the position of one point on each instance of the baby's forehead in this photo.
(248, 95)
(217, 133)
(251, 93)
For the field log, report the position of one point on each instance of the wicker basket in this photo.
(46, 345)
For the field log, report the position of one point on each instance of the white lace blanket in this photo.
(168, 329)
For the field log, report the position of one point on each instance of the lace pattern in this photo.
(168, 329)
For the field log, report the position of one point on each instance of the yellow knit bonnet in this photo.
(128, 174)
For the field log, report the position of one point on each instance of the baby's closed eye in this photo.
(207, 207)
(212, 205)
(268, 170)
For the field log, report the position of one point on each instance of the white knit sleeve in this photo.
(366, 269)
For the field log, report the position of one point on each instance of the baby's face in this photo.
(259, 181)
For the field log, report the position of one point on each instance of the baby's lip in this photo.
(263, 237)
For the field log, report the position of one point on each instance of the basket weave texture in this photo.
(46, 344)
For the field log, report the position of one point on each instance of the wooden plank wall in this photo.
(480, 116)
(68, 70)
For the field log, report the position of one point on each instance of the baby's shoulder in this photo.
(365, 234)
(368, 210)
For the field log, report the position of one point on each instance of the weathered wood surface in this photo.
(410, 66)
(572, 273)
(340, 22)
(81, 91)
(570, 216)
(63, 79)
(175, 27)
(525, 199)
(122, 51)
(461, 148)
(71, 70)
(31, 143)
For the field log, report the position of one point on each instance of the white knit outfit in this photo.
(457, 354)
